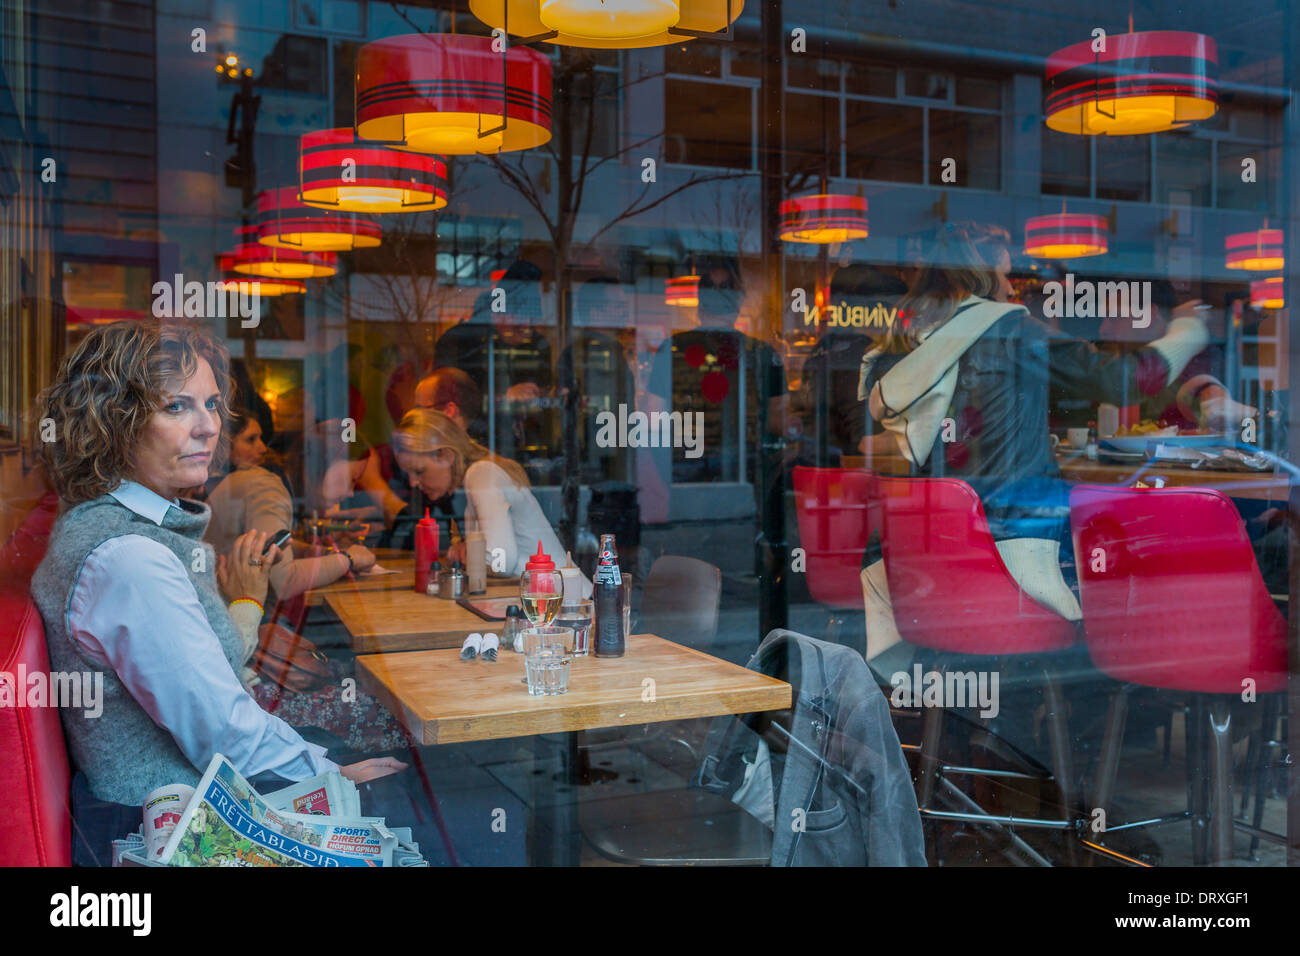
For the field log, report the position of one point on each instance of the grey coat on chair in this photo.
(841, 791)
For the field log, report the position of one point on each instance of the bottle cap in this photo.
(514, 611)
(426, 519)
(541, 561)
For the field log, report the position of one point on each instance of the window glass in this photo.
(803, 339)
(884, 141)
(973, 141)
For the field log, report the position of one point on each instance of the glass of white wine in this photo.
(541, 593)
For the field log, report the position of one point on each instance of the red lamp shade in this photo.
(1267, 293)
(440, 93)
(269, 262)
(247, 285)
(609, 24)
(336, 171)
(1141, 83)
(1066, 235)
(286, 223)
(1258, 251)
(824, 218)
(682, 291)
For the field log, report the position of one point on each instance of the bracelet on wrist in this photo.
(248, 600)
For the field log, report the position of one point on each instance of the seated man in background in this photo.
(452, 392)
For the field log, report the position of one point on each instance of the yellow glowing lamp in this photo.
(682, 291)
(1267, 293)
(251, 258)
(336, 171)
(445, 93)
(609, 24)
(247, 285)
(1140, 83)
(824, 218)
(1066, 235)
(286, 223)
(1259, 251)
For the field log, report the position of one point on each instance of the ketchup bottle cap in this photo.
(426, 519)
(541, 561)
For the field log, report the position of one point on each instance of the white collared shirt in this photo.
(134, 609)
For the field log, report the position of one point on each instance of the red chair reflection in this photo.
(832, 506)
(1173, 599)
(952, 592)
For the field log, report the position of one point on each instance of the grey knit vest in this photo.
(122, 752)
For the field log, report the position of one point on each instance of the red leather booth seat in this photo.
(35, 827)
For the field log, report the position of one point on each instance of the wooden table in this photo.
(404, 579)
(441, 699)
(398, 619)
(1259, 486)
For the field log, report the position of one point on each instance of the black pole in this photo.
(772, 560)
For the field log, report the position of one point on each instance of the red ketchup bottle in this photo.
(426, 550)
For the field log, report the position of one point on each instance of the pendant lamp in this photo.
(1258, 251)
(824, 218)
(254, 259)
(336, 171)
(1066, 235)
(247, 285)
(286, 223)
(1267, 293)
(447, 93)
(610, 24)
(682, 291)
(1140, 83)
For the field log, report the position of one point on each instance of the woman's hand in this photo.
(1188, 310)
(363, 559)
(238, 576)
(456, 552)
(372, 769)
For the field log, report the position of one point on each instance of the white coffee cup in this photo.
(1078, 437)
(162, 811)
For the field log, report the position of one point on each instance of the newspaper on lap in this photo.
(227, 823)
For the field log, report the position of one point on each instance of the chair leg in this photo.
(1220, 739)
(1058, 736)
(1197, 796)
(928, 774)
(1262, 769)
(1112, 744)
(931, 736)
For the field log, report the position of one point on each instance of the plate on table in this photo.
(1142, 444)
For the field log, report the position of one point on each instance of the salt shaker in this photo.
(513, 633)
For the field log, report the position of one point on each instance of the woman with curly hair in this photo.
(128, 587)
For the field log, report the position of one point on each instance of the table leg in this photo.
(555, 839)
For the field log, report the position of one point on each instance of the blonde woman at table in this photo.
(440, 457)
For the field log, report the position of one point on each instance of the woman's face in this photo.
(432, 473)
(247, 450)
(176, 446)
(1003, 291)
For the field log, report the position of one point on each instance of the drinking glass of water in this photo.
(548, 654)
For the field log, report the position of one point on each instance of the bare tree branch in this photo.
(633, 209)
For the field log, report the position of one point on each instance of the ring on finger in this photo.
(255, 562)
